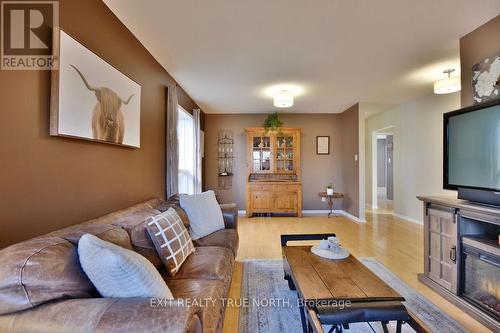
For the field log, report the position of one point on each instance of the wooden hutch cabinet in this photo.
(273, 172)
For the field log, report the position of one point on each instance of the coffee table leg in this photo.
(288, 279)
(384, 326)
(399, 326)
(291, 285)
(305, 325)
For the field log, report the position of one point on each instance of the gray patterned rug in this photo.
(273, 307)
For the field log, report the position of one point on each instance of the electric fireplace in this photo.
(481, 277)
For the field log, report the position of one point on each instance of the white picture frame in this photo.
(90, 99)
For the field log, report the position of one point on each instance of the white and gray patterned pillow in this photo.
(118, 272)
(171, 239)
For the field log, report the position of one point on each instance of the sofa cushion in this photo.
(208, 293)
(171, 239)
(204, 212)
(105, 315)
(227, 238)
(173, 202)
(136, 226)
(107, 232)
(119, 273)
(113, 216)
(209, 263)
(39, 270)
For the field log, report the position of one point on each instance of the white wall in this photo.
(418, 151)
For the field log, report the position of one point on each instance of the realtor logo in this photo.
(26, 34)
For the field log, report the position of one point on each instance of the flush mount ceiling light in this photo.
(447, 85)
(283, 99)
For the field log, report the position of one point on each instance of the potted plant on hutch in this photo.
(272, 123)
(329, 189)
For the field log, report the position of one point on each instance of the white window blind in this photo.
(185, 133)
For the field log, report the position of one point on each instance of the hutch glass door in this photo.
(261, 153)
(285, 153)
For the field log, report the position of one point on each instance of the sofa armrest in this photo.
(106, 315)
(230, 214)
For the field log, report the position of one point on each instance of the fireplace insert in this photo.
(481, 279)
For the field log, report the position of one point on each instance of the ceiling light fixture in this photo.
(449, 84)
(283, 99)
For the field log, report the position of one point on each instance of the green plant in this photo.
(329, 186)
(272, 123)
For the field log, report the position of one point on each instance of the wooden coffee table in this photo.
(318, 280)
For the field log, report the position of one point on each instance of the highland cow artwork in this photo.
(91, 99)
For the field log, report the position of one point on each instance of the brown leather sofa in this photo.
(43, 288)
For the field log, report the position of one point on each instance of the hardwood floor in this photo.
(384, 206)
(395, 243)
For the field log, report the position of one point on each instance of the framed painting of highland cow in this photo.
(90, 99)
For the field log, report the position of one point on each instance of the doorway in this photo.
(383, 171)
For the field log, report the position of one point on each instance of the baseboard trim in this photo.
(307, 212)
(314, 212)
(354, 218)
(321, 212)
(407, 218)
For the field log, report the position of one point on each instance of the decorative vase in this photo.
(329, 191)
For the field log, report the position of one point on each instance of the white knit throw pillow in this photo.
(119, 273)
(205, 215)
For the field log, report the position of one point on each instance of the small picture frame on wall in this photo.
(323, 145)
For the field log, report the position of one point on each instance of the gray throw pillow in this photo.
(204, 213)
(119, 273)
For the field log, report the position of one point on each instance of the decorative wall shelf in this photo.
(225, 159)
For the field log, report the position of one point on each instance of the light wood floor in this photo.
(395, 243)
(385, 206)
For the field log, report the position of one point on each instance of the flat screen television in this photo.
(472, 148)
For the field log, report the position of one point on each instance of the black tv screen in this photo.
(472, 147)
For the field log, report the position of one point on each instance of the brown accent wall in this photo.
(317, 170)
(48, 182)
(474, 47)
(349, 124)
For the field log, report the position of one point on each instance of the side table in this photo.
(330, 199)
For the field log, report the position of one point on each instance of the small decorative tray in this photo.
(328, 254)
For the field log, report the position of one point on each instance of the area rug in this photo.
(272, 307)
